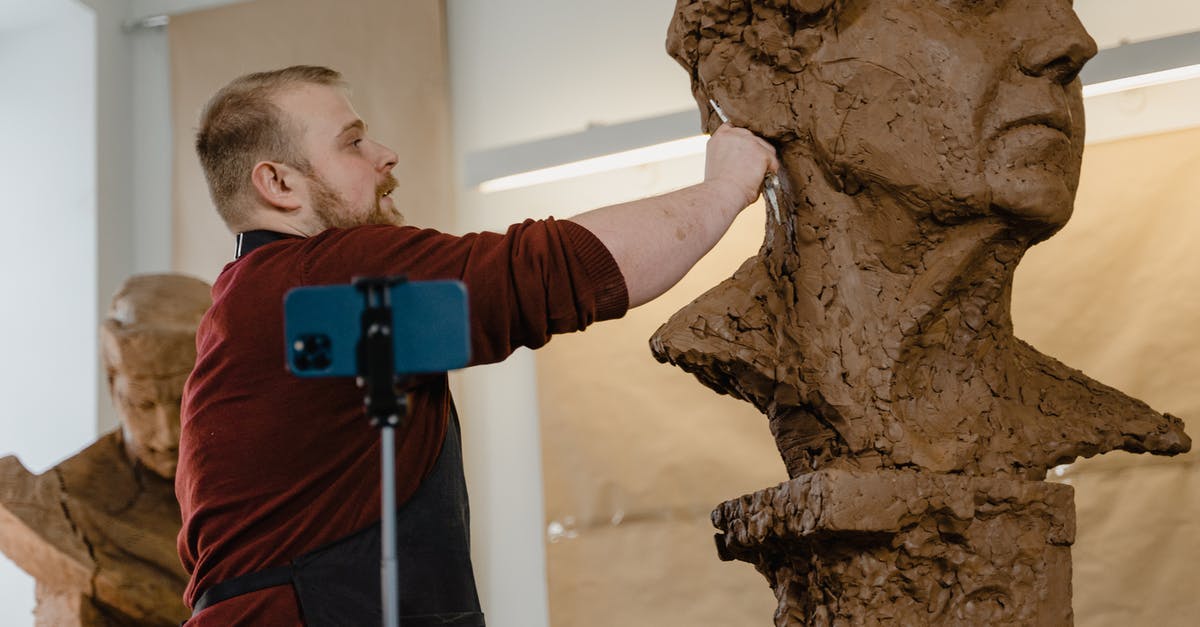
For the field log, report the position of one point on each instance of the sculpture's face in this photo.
(957, 104)
(148, 342)
(147, 389)
(149, 408)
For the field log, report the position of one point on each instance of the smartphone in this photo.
(430, 328)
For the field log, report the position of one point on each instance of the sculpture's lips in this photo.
(158, 453)
(1057, 120)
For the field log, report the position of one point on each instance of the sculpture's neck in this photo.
(881, 262)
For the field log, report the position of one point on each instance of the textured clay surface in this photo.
(908, 548)
(926, 145)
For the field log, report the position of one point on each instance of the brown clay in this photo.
(925, 147)
(98, 530)
(908, 548)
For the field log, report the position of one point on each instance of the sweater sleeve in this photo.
(537, 279)
(612, 295)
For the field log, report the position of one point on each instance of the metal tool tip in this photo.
(717, 108)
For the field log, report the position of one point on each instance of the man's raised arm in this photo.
(655, 241)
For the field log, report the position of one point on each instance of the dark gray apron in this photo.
(339, 584)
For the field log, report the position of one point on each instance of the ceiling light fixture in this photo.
(693, 145)
(1173, 75)
(604, 148)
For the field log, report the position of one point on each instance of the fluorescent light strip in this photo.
(627, 159)
(1173, 75)
(695, 145)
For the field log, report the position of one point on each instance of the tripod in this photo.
(387, 410)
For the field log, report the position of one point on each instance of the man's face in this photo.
(149, 409)
(349, 180)
(955, 103)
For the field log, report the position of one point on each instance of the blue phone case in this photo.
(430, 327)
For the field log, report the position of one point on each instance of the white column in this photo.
(503, 460)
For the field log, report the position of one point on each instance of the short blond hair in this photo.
(241, 125)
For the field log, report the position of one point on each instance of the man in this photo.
(278, 479)
(98, 530)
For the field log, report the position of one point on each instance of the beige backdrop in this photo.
(1116, 295)
(392, 53)
(636, 453)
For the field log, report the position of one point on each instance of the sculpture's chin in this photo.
(1032, 172)
(164, 468)
(1033, 195)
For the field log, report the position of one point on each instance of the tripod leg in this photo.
(389, 572)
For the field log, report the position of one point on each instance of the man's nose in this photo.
(1059, 46)
(387, 158)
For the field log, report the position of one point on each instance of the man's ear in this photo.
(278, 185)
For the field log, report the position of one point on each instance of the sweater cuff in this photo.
(612, 295)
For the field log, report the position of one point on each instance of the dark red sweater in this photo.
(272, 466)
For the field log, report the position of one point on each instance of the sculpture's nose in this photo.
(166, 433)
(1058, 46)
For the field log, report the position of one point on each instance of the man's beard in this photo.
(331, 207)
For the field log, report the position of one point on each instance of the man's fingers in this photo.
(739, 156)
(727, 128)
(766, 145)
(770, 152)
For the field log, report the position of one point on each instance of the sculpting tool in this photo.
(771, 187)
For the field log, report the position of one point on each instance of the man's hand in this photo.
(737, 160)
(655, 241)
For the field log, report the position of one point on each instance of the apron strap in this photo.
(245, 584)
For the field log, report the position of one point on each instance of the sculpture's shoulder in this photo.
(101, 475)
(1101, 417)
(35, 530)
(125, 511)
(12, 471)
(725, 338)
(98, 525)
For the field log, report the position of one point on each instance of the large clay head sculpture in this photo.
(956, 107)
(148, 344)
(926, 144)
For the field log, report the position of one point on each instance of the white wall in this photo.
(86, 157)
(1113, 23)
(115, 180)
(1151, 110)
(47, 172)
(48, 374)
(151, 145)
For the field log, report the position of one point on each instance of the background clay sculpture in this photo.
(98, 530)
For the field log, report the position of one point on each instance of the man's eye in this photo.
(356, 142)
